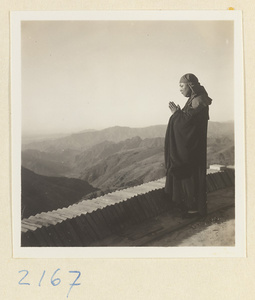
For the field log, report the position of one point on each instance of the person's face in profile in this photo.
(185, 89)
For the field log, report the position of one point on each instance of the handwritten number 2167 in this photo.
(54, 280)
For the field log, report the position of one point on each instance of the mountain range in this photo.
(109, 159)
(84, 140)
(69, 155)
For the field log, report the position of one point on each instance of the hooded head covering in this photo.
(196, 88)
(189, 78)
(193, 84)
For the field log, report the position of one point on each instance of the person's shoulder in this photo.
(201, 100)
(197, 101)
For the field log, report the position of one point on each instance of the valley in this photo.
(106, 160)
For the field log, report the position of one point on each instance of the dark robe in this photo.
(185, 153)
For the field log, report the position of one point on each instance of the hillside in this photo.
(220, 151)
(42, 194)
(107, 149)
(109, 165)
(221, 129)
(145, 162)
(49, 163)
(128, 167)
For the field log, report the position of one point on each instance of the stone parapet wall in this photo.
(88, 221)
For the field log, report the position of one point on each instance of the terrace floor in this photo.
(169, 229)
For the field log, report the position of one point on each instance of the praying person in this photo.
(185, 149)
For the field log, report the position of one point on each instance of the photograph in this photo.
(127, 134)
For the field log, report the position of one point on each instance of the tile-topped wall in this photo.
(91, 220)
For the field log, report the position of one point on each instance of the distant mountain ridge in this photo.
(84, 140)
(117, 157)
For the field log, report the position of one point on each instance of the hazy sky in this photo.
(79, 75)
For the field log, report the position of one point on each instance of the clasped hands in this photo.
(173, 107)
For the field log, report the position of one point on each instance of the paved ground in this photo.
(169, 229)
(218, 229)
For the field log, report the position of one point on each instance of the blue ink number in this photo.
(55, 281)
(41, 278)
(74, 283)
(24, 283)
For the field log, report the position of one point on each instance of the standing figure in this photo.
(185, 149)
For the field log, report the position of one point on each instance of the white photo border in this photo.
(239, 250)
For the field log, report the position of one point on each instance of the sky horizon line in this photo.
(31, 134)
